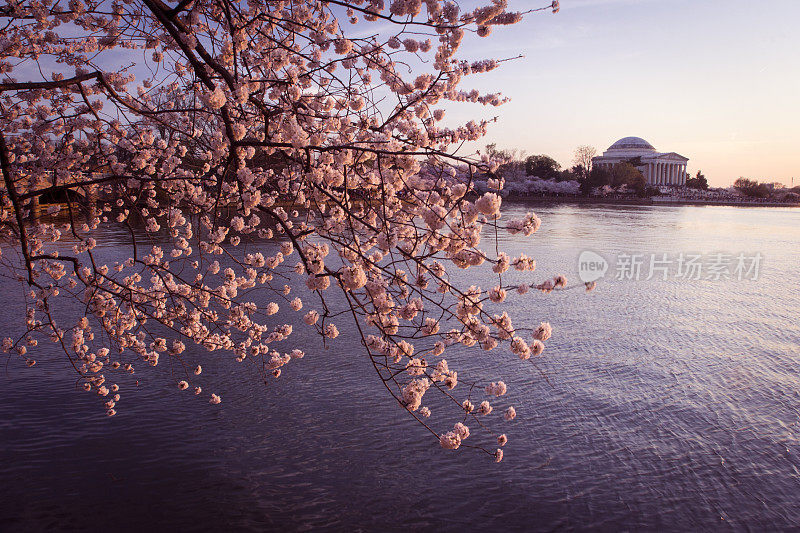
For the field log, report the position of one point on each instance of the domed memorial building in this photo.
(659, 168)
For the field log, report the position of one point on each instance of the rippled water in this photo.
(665, 404)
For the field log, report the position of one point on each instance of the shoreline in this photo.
(647, 201)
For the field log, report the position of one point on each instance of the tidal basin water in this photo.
(670, 404)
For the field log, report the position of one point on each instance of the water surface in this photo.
(666, 404)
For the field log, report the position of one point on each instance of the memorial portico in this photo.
(658, 168)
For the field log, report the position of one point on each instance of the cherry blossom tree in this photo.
(208, 122)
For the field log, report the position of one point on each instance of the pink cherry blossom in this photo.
(249, 152)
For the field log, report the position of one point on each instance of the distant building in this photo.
(658, 168)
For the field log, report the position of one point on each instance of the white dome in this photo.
(632, 143)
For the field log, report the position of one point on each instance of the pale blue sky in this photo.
(716, 81)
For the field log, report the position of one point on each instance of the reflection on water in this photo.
(669, 404)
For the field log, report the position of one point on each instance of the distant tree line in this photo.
(514, 162)
(545, 167)
(538, 166)
(625, 173)
(697, 182)
(756, 189)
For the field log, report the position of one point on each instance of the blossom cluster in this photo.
(245, 122)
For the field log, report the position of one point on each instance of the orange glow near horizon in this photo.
(714, 81)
